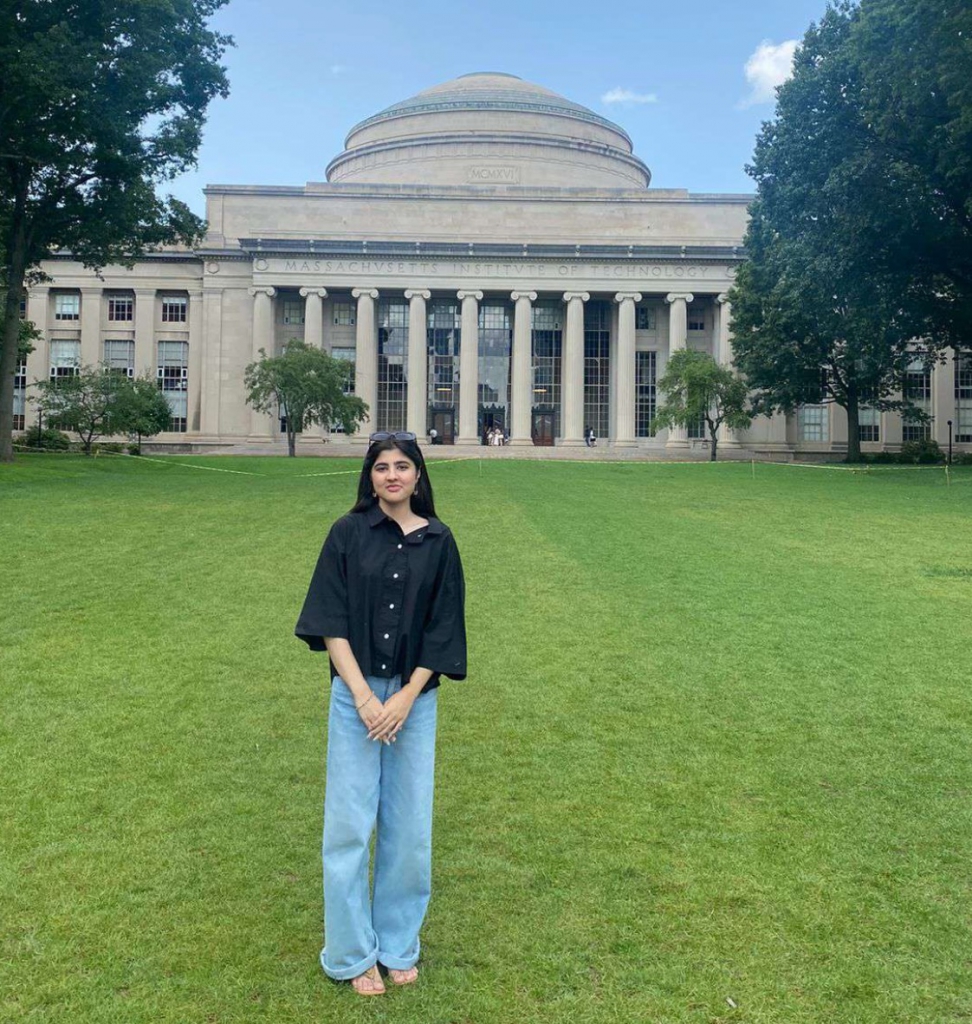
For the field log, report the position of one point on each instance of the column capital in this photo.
(675, 296)
(418, 293)
(320, 292)
(723, 299)
(143, 291)
(370, 293)
(583, 296)
(624, 296)
(267, 290)
(92, 290)
(516, 296)
(478, 296)
(194, 293)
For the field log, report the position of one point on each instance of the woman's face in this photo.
(393, 477)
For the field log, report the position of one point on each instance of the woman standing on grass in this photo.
(387, 602)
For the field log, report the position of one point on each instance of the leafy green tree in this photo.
(140, 409)
(817, 315)
(305, 386)
(86, 403)
(100, 103)
(696, 387)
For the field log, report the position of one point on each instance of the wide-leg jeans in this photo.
(387, 786)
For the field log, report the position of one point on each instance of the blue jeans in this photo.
(388, 785)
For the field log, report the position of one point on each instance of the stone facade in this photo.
(484, 254)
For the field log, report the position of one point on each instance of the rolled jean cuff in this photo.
(396, 963)
(347, 973)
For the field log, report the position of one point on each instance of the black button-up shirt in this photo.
(398, 599)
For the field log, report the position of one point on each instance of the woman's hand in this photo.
(369, 712)
(388, 723)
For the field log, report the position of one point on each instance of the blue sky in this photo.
(673, 74)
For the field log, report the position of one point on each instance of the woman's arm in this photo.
(395, 710)
(368, 705)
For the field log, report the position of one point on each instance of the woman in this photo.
(387, 602)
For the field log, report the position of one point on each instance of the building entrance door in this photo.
(543, 428)
(444, 424)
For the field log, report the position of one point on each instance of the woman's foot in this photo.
(369, 983)
(407, 977)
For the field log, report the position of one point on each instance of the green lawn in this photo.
(714, 748)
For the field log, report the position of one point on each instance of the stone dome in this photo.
(493, 129)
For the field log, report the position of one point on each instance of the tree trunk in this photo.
(291, 441)
(713, 440)
(16, 243)
(853, 428)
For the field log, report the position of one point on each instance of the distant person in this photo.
(589, 438)
(387, 603)
(433, 436)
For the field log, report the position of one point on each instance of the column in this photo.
(522, 368)
(92, 351)
(728, 438)
(677, 340)
(38, 361)
(943, 399)
(262, 424)
(314, 316)
(469, 369)
(212, 372)
(624, 395)
(572, 372)
(194, 397)
(146, 358)
(418, 362)
(366, 359)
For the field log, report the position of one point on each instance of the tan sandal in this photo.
(369, 983)
(407, 977)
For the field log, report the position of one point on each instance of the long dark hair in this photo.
(423, 503)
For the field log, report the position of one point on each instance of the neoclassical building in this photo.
(486, 253)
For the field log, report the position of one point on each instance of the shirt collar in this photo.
(374, 516)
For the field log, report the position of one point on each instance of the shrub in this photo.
(962, 459)
(110, 447)
(45, 439)
(925, 452)
(134, 449)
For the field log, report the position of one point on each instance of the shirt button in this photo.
(391, 606)
(386, 636)
(384, 666)
(395, 576)
(399, 547)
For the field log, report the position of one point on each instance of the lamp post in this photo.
(949, 442)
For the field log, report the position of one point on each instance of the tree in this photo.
(305, 386)
(99, 104)
(818, 313)
(696, 387)
(86, 402)
(140, 410)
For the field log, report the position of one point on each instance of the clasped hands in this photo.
(385, 720)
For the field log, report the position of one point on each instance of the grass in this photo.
(712, 762)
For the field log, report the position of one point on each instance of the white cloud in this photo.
(338, 69)
(619, 95)
(769, 66)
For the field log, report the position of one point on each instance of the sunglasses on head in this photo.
(392, 435)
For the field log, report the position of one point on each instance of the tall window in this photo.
(597, 366)
(869, 421)
(695, 320)
(65, 358)
(812, 421)
(698, 430)
(344, 355)
(443, 336)
(175, 309)
(547, 342)
(121, 307)
(120, 357)
(392, 363)
(173, 374)
(963, 398)
(20, 396)
(495, 349)
(917, 390)
(67, 306)
(645, 394)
